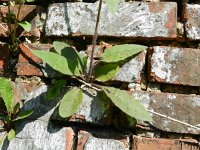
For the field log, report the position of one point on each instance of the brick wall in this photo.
(165, 77)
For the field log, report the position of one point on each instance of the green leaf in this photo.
(105, 71)
(127, 103)
(70, 102)
(6, 93)
(121, 52)
(25, 25)
(84, 62)
(59, 46)
(112, 5)
(23, 114)
(16, 108)
(55, 90)
(11, 135)
(8, 119)
(70, 54)
(56, 61)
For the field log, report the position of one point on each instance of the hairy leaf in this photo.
(121, 52)
(11, 135)
(6, 93)
(55, 89)
(25, 25)
(70, 102)
(112, 5)
(23, 114)
(105, 71)
(127, 103)
(56, 61)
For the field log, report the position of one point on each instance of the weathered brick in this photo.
(92, 110)
(132, 70)
(179, 106)
(101, 140)
(192, 26)
(30, 13)
(174, 65)
(35, 135)
(133, 19)
(141, 143)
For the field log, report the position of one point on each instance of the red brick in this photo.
(26, 55)
(28, 13)
(174, 65)
(27, 61)
(25, 69)
(141, 143)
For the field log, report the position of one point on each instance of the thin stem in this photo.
(94, 42)
(88, 84)
(16, 25)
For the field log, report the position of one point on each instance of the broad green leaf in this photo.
(56, 61)
(11, 135)
(55, 89)
(25, 25)
(105, 71)
(59, 46)
(69, 53)
(112, 5)
(127, 103)
(23, 114)
(6, 93)
(121, 52)
(70, 102)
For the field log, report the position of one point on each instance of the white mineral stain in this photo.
(171, 97)
(163, 59)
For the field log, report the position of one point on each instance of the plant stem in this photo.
(16, 25)
(94, 42)
(88, 84)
